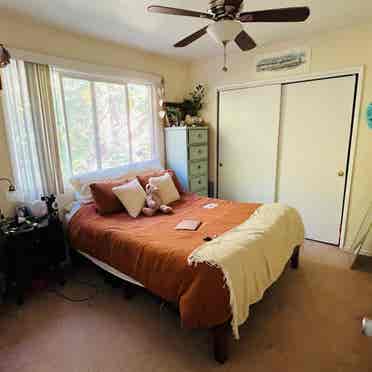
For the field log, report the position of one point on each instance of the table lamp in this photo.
(12, 195)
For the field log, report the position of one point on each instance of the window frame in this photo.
(97, 78)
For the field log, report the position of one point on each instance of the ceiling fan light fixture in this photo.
(224, 31)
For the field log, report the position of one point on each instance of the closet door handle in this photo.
(221, 165)
(341, 173)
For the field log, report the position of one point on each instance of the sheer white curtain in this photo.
(20, 132)
(31, 128)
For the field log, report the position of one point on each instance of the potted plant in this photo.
(193, 105)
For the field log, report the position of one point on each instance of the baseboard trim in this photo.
(363, 252)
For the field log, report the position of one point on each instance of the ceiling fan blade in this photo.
(245, 42)
(191, 38)
(296, 14)
(176, 11)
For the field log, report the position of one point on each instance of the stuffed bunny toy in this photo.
(154, 202)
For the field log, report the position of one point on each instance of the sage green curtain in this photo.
(45, 127)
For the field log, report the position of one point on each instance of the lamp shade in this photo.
(224, 31)
(15, 196)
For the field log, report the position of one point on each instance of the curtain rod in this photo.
(85, 67)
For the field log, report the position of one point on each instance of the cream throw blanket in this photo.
(253, 255)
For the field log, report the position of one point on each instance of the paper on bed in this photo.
(253, 255)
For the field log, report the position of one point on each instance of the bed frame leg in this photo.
(76, 260)
(295, 259)
(221, 342)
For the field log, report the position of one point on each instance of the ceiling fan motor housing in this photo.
(219, 9)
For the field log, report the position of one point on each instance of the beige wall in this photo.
(22, 33)
(333, 51)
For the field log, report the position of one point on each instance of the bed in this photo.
(174, 264)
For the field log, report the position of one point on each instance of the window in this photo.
(102, 124)
(61, 123)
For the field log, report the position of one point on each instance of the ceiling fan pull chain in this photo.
(224, 69)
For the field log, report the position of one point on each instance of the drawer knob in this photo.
(199, 166)
(199, 182)
(200, 151)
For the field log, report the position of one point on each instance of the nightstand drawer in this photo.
(198, 152)
(199, 183)
(198, 136)
(199, 168)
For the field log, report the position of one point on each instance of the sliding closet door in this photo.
(248, 141)
(313, 152)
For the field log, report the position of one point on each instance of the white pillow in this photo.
(167, 190)
(132, 196)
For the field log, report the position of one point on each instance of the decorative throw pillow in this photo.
(132, 196)
(106, 201)
(167, 190)
(145, 177)
(83, 192)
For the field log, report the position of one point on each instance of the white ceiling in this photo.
(127, 21)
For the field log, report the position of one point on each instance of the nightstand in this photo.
(3, 267)
(31, 250)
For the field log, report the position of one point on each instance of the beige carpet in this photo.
(309, 321)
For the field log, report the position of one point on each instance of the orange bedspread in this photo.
(151, 251)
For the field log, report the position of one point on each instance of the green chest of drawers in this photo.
(187, 155)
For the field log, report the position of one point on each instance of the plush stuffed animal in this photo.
(154, 202)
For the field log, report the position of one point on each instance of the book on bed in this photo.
(190, 225)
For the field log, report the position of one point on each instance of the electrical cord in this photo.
(59, 293)
(76, 300)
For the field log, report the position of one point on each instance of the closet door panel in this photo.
(313, 150)
(248, 140)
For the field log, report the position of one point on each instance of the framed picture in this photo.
(174, 114)
(293, 61)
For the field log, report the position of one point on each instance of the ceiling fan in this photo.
(228, 19)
